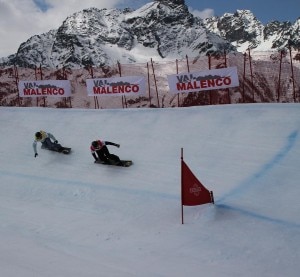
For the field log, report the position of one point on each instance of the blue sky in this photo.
(265, 11)
(42, 4)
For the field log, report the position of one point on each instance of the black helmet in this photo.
(95, 144)
(38, 135)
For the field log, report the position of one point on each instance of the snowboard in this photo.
(65, 150)
(124, 163)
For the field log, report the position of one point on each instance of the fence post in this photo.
(228, 92)
(16, 74)
(251, 74)
(41, 76)
(124, 102)
(149, 89)
(177, 71)
(39, 71)
(209, 67)
(64, 77)
(244, 77)
(187, 63)
(279, 76)
(293, 79)
(91, 71)
(155, 83)
(35, 73)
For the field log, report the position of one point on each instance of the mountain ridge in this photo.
(162, 29)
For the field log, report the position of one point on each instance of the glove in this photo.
(55, 141)
(35, 155)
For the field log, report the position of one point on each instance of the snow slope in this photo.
(63, 215)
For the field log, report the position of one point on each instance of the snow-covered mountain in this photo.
(163, 29)
(243, 30)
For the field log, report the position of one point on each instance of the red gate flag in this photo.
(193, 192)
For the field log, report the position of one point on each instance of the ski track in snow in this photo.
(252, 180)
(291, 141)
(119, 189)
(259, 216)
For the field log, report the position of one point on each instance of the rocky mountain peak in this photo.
(172, 3)
(243, 30)
(163, 29)
(238, 28)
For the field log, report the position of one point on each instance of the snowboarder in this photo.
(101, 154)
(45, 139)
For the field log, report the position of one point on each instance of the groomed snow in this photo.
(63, 215)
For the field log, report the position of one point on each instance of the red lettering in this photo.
(196, 85)
(227, 81)
(116, 89)
(96, 90)
(190, 86)
(120, 89)
(135, 88)
(44, 91)
(105, 90)
(127, 89)
(51, 91)
(27, 91)
(211, 83)
(219, 82)
(181, 86)
(203, 83)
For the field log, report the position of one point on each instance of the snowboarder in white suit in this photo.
(45, 139)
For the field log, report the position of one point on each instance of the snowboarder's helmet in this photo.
(95, 144)
(38, 135)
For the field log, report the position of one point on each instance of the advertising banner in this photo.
(42, 88)
(203, 80)
(116, 86)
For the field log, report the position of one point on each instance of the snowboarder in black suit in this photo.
(101, 153)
